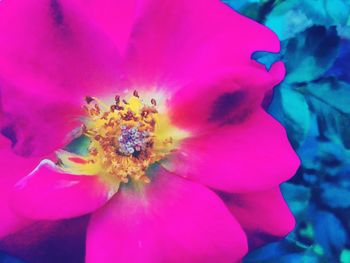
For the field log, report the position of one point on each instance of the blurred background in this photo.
(313, 103)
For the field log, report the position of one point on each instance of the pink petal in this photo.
(49, 42)
(37, 123)
(50, 193)
(167, 220)
(250, 156)
(48, 49)
(115, 18)
(263, 215)
(175, 41)
(226, 97)
(13, 167)
(49, 241)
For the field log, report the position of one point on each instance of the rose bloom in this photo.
(146, 117)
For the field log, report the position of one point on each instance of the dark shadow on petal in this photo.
(57, 12)
(225, 104)
(10, 133)
(258, 239)
(49, 242)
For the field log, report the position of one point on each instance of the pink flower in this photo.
(183, 170)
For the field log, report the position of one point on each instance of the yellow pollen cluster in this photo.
(122, 138)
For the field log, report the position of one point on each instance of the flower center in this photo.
(125, 138)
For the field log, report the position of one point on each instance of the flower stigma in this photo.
(125, 139)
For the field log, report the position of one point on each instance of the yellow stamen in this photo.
(125, 139)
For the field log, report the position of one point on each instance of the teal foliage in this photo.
(310, 54)
(313, 103)
(341, 67)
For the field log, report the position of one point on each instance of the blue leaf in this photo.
(329, 233)
(310, 54)
(274, 252)
(335, 196)
(297, 197)
(341, 66)
(297, 116)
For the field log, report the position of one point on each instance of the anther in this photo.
(122, 137)
(136, 94)
(154, 102)
(88, 99)
(120, 108)
(83, 128)
(93, 151)
(105, 116)
(113, 108)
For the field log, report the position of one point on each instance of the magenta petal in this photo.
(263, 215)
(114, 17)
(13, 167)
(169, 220)
(250, 156)
(191, 39)
(37, 123)
(49, 193)
(223, 97)
(50, 46)
(51, 56)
